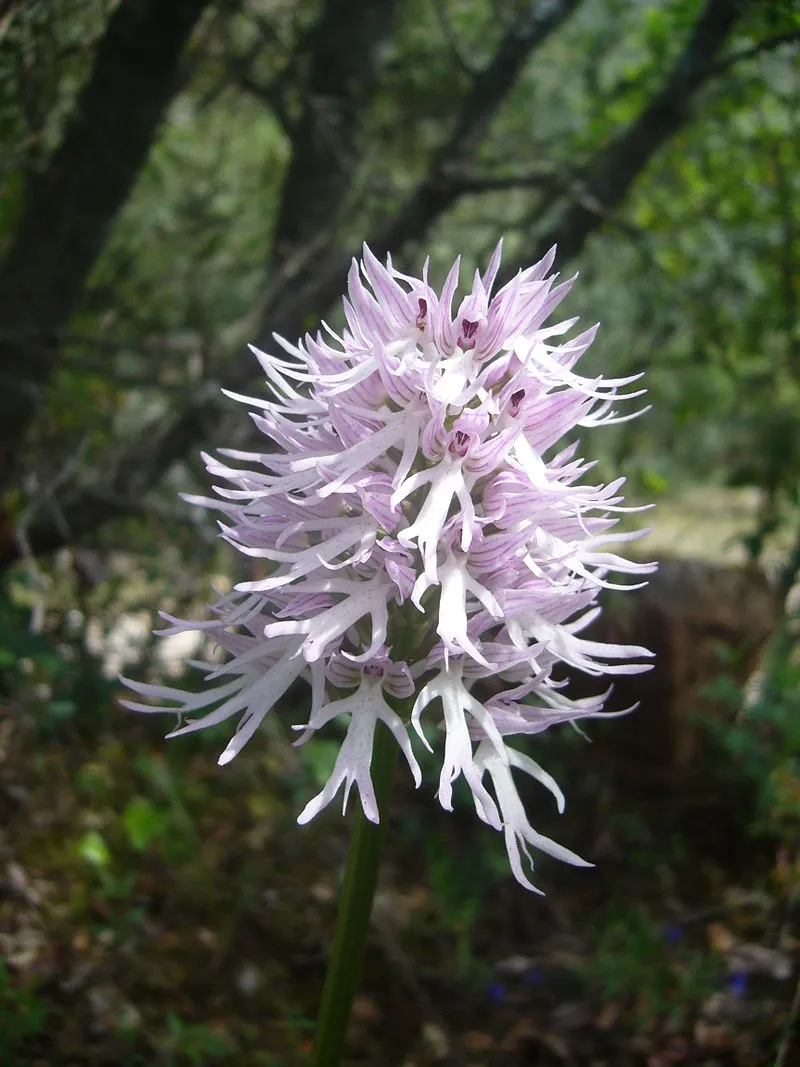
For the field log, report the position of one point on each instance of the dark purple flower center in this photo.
(468, 330)
(516, 402)
(422, 314)
(459, 443)
(374, 670)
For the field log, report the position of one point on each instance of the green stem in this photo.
(355, 908)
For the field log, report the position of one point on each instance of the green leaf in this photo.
(62, 709)
(143, 822)
(93, 848)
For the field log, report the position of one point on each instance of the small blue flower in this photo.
(496, 992)
(737, 984)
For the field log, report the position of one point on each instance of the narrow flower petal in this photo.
(366, 708)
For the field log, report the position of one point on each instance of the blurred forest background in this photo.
(180, 178)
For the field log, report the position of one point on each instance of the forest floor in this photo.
(156, 909)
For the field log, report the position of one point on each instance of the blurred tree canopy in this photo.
(179, 179)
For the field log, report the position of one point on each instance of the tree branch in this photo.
(344, 46)
(470, 183)
(768, 44)
(551, 181)
(314, 291)
(436, 193)
(8, 9)
(269, 95)
(613, 172)
(238, 70)
(452, 41)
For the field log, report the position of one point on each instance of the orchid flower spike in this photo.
(421, 531)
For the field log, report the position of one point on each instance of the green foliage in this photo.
(45, 54)
(144, 822)
(458, 900)
(763, 740)
(57, 680)
(319, 760)
(23, 1017)
(192, 1044)
(93, 848)
(652, 977)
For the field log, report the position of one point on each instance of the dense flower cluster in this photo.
(420, 534)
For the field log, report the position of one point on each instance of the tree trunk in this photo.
(69, 207)
(344, 47)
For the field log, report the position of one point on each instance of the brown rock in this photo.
(687, 614)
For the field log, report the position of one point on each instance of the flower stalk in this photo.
(355, 910)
